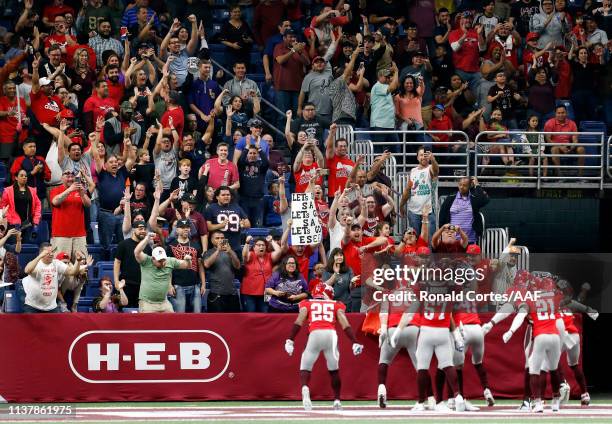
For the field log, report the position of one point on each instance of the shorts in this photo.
(546, 348)
(148, 307)
(407, 340)
(434, 340)
(473, 339)
(325, 341)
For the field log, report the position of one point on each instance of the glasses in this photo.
(291, 263)
(411, 233)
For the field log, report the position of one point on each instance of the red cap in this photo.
(323, 291)
(423, 251)
(473, 249)
(62, 255)
(67, 113)
(532, 36)
(318, 58)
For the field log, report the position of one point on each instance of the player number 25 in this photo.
(323, 312)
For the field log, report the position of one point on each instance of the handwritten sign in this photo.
(305, 228)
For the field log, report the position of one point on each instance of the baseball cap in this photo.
(144, 45)
(255, 123)
(189, 198)
(289, 31)
(183, 223)
(466, 14)
(439, 106)
(44, 81)
(67, 114)
(318, 59)
(384, 72)
(139, 223)
(127, 106)
(159, 254)
(419, 53)
(532, 36)
(62, 256)
(473, 249)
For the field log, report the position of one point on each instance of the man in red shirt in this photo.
(51, 11)
(338, 162)
(466, 43)
(97, 105)
(60, 35)
(12, 119)
(174, 111)
(45, 106)
(115, 88)
(69, 201)
(561, 123)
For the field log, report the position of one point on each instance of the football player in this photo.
(322, 313)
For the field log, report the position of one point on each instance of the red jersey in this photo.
(339, 170)
(303, 175)
(45, 107)
(178, 120)
(467, 57)
(352, 256)
(410, 249)
(8, 124)
(115, 92)
(321, 313)
(544, 313)
(303, 261)
(68, 219)
(323, 211)
(59, 39)
(314, 283)
(371, 222)
(569, 321)
(436, 312)
(98, 106)
(563, 88)
(443, 124)
(468, 314)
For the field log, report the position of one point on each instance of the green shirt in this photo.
(155, 282)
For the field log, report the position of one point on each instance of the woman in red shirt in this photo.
(305, 167)
(257, 269)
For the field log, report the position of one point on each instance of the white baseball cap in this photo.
(44, 81)
(159, 254)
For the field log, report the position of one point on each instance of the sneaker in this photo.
(489, 398)
(431, 403)
(337, 405)
(306, 398)
(525, 406)
(564, 392)
(418, 407)
(470, 408)
(555, 404)
(459, 403)
(382, 396)
(63, 307)
(441, 407)
(538, 407)
(585, 399)
(451, 403)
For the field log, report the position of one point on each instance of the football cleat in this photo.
(418, 407)
(585, 399)
(564, 392)
(525, 406)
(382, 396)
(441, 407)
(555, 404)
(489, 398)
(306, 399)
(459, 403)
(538, 407)
(470, 408)
(431, 403)
(451, 403)
(337, 405)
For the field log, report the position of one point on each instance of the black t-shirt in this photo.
(188, 185)
(185, 277)
(314, 129)
(130, 268)
(522, 13)
(505, 102)
(441, 30)
(23, 204)
(233, 214)
(443, 70)
(144, 174)
(394, 9)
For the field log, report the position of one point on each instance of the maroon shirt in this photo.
(289, 75)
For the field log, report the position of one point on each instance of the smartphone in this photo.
(123, 33)
(77, 180)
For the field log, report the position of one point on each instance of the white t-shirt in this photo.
(421, 192)
(41, 286)
(336, 234)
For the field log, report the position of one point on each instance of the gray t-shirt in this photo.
(166, 164)
(342, 286)
(316, 89)
(343, 100)
(70, 165)
(179, 66)
(220, 275)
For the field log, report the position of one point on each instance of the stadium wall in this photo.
(155, 357)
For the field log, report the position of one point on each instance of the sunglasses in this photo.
(411, 233)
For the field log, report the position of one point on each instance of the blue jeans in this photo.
(286, 100)
(254, 210)
(472, 78)
(253, 303)
(414, 220)
(188, 298)
(109, 225)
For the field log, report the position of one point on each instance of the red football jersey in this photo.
(569, 321)
(438, 312)
(468, 314)
(321, 313)
(544, 313)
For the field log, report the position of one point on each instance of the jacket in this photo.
(8, 198)
(478, 199)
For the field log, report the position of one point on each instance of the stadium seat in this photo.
(130, 310)
(258, 232)
(220, 3)
(92, 291)
(111, 251)
(11, 304)
(43, 232)
(592, 126)
(3, 173)
(570, 109)
(28, 252)
(94, 231)
(216, 48)
(84, 309)
(96, 251)
(216, 28)
(104, 268)
(220, 15)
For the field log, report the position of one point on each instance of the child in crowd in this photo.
(318, 271)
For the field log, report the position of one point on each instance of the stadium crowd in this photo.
(118, 120)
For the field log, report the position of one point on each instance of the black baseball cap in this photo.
(189, 198)
(183, 223)
(139, 223)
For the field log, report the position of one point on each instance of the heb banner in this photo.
(305, 227)
(155, 357)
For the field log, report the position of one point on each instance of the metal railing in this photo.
(523, 258)
(608, 161)
(493, 242)
(448, 171)
(535, 167)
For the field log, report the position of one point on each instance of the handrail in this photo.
(608, 156)
(539, 156)
(262, 99)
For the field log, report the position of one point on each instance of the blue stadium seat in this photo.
(216, 27)
(92, 291)
(3, 172)
(112, 249)
(258, 77)
(11, 303)
(216, 48)
(84, 309)
(592, 126)
(220, 15)
(28, 252)
(104, 268)
(96, 251)
(220, 3)
(267, 91)
(258, 232)
(570, 108)
(130, 310)
(46, 216)
(43, 232)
